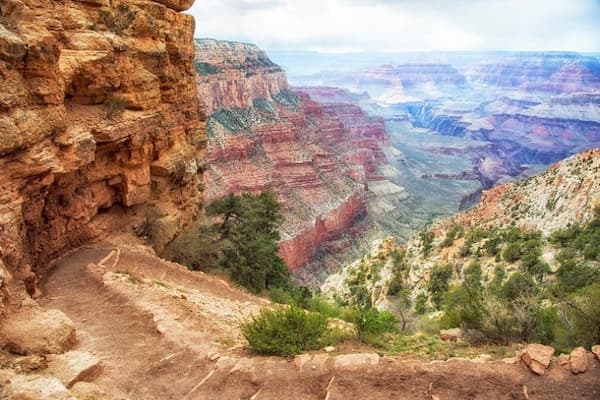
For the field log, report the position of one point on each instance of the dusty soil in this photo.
(163, 332)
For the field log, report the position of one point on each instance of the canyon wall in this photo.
(318, 158)
(100, 125)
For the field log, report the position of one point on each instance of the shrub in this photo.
(421, 304)
(426, 242)
(573, 275)
(512, 252)
(580, 317)
(451, 236)
(197, 249)
(203, 68)
(439, 282)
(285, 331)
(287, 99)
(119, 20)
(372, 324)
(114, 107)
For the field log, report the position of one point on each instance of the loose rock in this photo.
(579, 361)
(37, 331)
(451, 335)
(537, 357)
(74, 366)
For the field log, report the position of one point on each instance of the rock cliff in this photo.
(319, 158)
(565, 195)
(100, 124)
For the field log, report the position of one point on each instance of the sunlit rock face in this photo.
(318, 157)
(99, 119)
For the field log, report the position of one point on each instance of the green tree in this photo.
(249, 238)
(439, 282)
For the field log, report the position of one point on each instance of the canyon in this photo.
(116, 126)
(459, 123)
(320, 158)
(384, 150)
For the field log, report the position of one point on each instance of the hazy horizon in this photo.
(399, 26)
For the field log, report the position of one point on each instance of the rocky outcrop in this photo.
(99, 118)
(319, 158)
(564, 194)
(233, 75)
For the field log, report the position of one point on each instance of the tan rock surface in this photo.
(35, 387)
(73, 367)
(579, 360)
(92, 95)
(350, 361)
(537, 357)
(37, 331)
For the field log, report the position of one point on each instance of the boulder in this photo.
(596, 351)
(351, 361)
(35, 387)
(451, 335)
(579, 360)
(73, 367)
(537, 357)
(38, 331)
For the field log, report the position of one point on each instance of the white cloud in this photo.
(403, 25)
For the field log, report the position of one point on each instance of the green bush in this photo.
(451, 236)
(426, 242)
(287, 99)
(249, 240)
(203, 68)
(118, 20)
(512, 252)
(439, 282)
(421, 304)
(285, 331)
(580, 317)
(372, 324)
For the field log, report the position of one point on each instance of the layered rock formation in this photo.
(564, 194)
(99, 119)
(568, 193)
(319, 158)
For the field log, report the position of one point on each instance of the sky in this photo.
(403, 25)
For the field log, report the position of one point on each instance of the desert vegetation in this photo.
(505, 290)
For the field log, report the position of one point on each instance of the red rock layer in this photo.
(318, 158)
(99, 117)
(238, 73)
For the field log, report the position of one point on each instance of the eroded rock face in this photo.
(99, 116)
(319, 158)
(564, 194)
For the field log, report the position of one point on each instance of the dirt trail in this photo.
(118, 318)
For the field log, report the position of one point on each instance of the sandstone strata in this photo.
(99, 117)
(319, 158)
